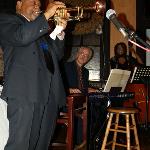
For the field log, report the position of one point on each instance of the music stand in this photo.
(116, 83)
(117, 80)
(142, 75)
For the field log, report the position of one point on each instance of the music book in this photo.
(117, 80)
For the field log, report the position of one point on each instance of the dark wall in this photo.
(142, 22)
(147, 8)
(7, 5)
(105, 47)
(10, 4)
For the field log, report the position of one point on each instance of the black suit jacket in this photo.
(26, 76)
(71, 76)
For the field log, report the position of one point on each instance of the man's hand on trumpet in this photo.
(52, 7)
(58, 31)
(61, 17)
(61, 23)
(55, 9)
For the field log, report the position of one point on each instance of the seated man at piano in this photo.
(76, 80)
(76, 75)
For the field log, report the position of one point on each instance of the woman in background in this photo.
(123, 61)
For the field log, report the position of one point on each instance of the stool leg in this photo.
(128, 131)
(107, 131)
(115, 132)
(135, 132)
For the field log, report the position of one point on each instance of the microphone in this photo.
(111, 15)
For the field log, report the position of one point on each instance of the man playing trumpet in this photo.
(33, 88)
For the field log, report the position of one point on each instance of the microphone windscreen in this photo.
(109, 13)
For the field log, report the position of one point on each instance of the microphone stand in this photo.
(132, 35)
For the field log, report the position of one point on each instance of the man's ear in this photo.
(18, 6)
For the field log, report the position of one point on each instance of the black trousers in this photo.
(31, 126)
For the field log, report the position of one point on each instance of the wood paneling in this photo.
(126, 13)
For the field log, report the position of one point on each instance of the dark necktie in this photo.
(47, 55)
(80, 78)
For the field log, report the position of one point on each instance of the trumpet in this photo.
(99, 8)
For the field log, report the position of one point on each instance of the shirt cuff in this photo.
(57, 30)
(61, 35)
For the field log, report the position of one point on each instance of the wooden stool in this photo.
(116, 128)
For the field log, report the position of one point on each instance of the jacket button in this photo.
(34, 52)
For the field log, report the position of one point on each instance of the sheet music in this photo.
(117, 78)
